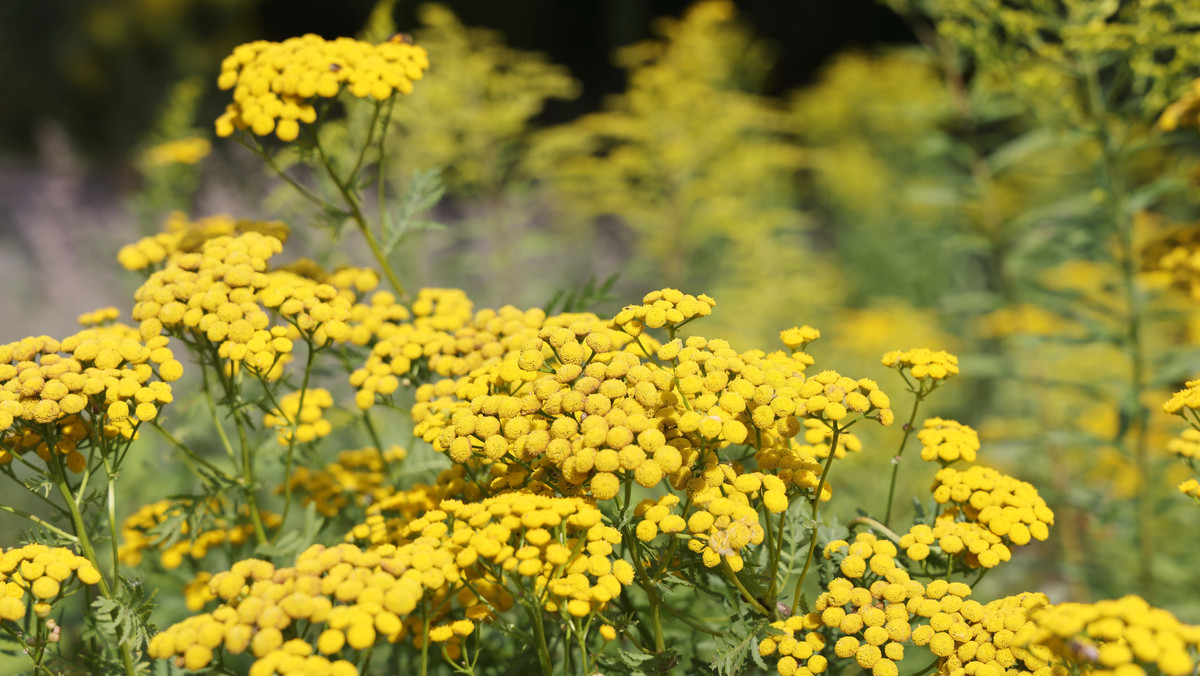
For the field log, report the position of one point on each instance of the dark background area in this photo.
(100, 68)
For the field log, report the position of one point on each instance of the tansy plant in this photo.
(392, 481)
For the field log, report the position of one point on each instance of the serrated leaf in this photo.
(424, 191)
(736, 645)
(125, 618)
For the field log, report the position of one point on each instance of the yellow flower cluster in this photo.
(104, 316)
(1191, 488)
(559, 544)
(356, 478)
(99, 376)
(721, 520)
(817, 436)
(666, 308)
(45, 572)
(196, 593)
(573, 409)
(1176, 255)
(183, 151)
(797, 656)
(988, 645)
(1186, 445)
(978, 546)
(947, 441)
(1186, 403)
(798, 337)
(1185, 112)
(274, 83)
(388, 519)
(442, 338)
(875, 608)
(1008, 507)
(794, 464)
(138, 534)
(376, 317)
(305, 409)
(1119, 636)
(180, 235)
(352, 597)
(261, 601)
(923, 363)
(211, 295)
(315, 311)
(724, 525)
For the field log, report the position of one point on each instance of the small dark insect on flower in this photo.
(401, 37)
(1082, 651)
(335, 67)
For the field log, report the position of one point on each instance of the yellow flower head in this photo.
(923, 364)
(947, 441)
(665, 308)
(797, 338)
(1007, 508)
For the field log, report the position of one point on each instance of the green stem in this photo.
(539, 634)
(111, 500)
(908, 428)
(361, 221)
(362, 152)
(212, 410)
(746, 595)
(778, 554)
(85, 546)
(191, 456)
(877, 527)
(812, 545)
(425, 642)
(366, 416)
(1139, 415)
(39, 521)
(647, 586)
(260, 533)
(287, 474)
(259, 150)
(690, 622)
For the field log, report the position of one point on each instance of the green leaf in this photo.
(125, 619)
(424, 191)
(629, 662)
(292, 542)
(1145, 196)
(738, 643)
(581, 299)
(1029, 144)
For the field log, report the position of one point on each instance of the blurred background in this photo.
(893, 177)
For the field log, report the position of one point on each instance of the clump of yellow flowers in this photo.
(274, 83)
(568, 481)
